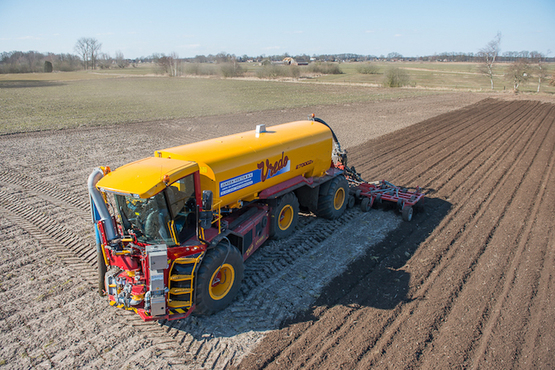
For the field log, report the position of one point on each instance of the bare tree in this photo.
(162, 62)
(394, 55)
(169, 64)
(82, 48)
(104, 60)
(95, 50)
(174, 64)
(88, 48)
(120, 60)
(538, 58)
(518, 73)
(488, 54)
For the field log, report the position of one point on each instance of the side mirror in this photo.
(207, 200)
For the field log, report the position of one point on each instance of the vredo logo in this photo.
(264, 171)
(269, 170)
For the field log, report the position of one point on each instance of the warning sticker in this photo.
(239, 182)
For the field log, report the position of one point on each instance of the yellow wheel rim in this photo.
(339, 198)
(221, 281)
(285, 217)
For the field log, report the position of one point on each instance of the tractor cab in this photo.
(155, 206)
(169, 217)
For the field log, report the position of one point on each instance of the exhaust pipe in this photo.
(99, 210)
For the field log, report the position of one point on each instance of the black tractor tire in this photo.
(219, 279)
(333, 198)
(101, 272)
(366, 204)
(407, 213)
(284, 216)
(378, 201)
(351, 202)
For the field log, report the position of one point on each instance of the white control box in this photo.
(158, 305)
(157, 256)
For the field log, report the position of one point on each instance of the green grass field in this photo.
(43, 101)
(74, 99)
(450, 76)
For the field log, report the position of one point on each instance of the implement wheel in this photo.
(284, 216)
(333, 198)
(407, 213)
(219, 279)
(366, 204)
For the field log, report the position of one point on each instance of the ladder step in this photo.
(181, 277)
(185, 260)
(181, 291)
(179, 304)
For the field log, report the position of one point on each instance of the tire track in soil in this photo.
(485, 236)
(260, 271)
(494, 214)
(86, 270)
(414, 166)
(538, 335)
(416, 324)
(52, 192)
(524, 239)
(411, 142)
(465, 195)
(78, 255)
(457, 168)
(174, 340)
(68, 245)
(324, 341)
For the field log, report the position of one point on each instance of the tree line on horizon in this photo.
(90, 56)
(34, 61)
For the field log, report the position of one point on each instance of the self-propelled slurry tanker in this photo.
(173, 230)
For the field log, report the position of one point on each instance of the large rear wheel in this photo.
(332, 200)
(219, 279)
(284, 216)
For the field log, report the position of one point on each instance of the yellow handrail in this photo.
(218, 216)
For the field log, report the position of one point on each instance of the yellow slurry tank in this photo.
(238, 167)
(179, 225)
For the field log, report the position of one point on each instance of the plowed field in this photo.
(468, 284)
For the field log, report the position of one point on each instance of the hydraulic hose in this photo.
(316, 119)
(339, 153)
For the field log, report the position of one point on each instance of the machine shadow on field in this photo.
(376, 279)
(297, 292)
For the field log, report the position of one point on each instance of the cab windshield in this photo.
(154, 220)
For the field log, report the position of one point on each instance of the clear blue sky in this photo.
(189, 28)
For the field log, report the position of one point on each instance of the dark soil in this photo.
(468, 283)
